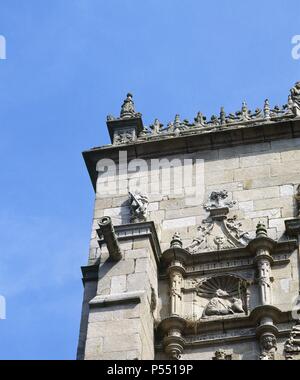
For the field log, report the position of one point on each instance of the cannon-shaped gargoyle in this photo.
(107, 233)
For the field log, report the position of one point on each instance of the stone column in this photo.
(266, 333)
(174, 325)
(263, 261)
(175, 272)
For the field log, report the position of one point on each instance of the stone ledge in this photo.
(139, 230)
(220, 138)
(117, 299)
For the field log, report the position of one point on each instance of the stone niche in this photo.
(216, 296)
(219, 290)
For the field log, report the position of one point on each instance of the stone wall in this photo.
(262, 180)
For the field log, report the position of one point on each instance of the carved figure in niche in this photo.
(223, 304)
(139, 205)
(295, 94)
(268, 345)
(176, 297)
(226, 294)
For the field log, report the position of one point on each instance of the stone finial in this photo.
(127, 109)
(261, 230)
(200, 120)
(222, 116)
(245, 112)
(156, 127)
(267, 109)
(176, 241)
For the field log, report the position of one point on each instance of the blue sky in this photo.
(69, 64)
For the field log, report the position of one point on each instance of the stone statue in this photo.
(127, 109)
(264, 280)
(176, 297)
(295, 94)
(268, 345)
(223, 304)
(139, 206)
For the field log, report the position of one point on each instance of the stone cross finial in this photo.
(261, 230)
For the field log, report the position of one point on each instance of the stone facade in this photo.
(202, 266)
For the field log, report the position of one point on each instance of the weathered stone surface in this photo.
(260, 174)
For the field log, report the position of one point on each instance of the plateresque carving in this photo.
(217, 200)
(138, 206)
(292, 345)
(268, 345)
(227, 295)
(219, 232)
(201, 123)
(124, 136)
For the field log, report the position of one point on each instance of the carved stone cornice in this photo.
(189, 259)
(206, 140)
